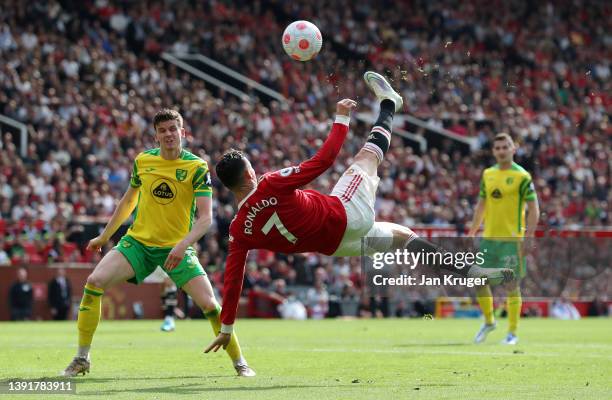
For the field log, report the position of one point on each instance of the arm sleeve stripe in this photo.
(135, 179)
(524, 186)
(482, 193)
(200, 172)
(526, 191)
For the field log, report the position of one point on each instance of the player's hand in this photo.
(97, 243)
(222, 340)
(175, 257)
(344, 107)
(528, 246)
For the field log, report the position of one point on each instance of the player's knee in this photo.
(401, 236)
(514, 291)
(97, 280)
(483, 291)
(207, 303)
(367, 161)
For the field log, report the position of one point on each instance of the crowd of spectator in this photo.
(86, 78)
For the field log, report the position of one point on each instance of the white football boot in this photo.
(382, 89)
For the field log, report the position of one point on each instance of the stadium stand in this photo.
(87, 78)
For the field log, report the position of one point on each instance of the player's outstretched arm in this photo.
(327, 154)
(307, 171)
(122, 212)
(198, 229)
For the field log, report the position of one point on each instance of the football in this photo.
(302, 40)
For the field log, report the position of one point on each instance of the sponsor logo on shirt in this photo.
(496, 194)
(163, 191)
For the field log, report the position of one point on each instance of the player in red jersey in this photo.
(273, 213)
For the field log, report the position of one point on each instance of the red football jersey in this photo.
(278, 216)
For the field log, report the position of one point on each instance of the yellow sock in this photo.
(233, 348)
(485, 299)
(514, 303)
(89, 316)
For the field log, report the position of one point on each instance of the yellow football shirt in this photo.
(505, 193)
(166, 196)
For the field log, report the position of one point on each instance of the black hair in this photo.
(230, 168)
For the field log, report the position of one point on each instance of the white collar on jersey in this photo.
(247, 196)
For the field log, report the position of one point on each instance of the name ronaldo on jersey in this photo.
(254, 210)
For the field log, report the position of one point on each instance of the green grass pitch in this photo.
(330, 359)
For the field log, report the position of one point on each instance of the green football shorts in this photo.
(145, 259)
(504, 254)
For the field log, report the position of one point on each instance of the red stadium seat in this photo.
(32, 254)
(68, 250)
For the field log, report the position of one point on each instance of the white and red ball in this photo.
(302, 40)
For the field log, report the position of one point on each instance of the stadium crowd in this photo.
(86, 78)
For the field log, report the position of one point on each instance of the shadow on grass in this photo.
(196, 388)
(83, 380)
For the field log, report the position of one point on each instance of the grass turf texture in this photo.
(331, 359)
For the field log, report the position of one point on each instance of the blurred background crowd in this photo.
(86, 78)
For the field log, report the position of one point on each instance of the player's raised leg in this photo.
(356, 188)
(114, 268)
(201, 292)
(373, 152)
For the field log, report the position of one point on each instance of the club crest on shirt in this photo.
(181, 174)
(509, 180)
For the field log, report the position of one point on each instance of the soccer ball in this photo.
(302, 40)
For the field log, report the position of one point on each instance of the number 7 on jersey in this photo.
(275, 221)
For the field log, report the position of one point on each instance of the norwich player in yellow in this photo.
(167, 185)
(506, 191)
